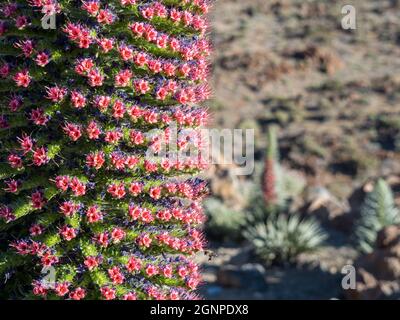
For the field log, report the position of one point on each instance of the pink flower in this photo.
(93, 130)
(117, 235)
(144, 240)
(155, 192)
(73, 131)
(77, 187)
(68, 233)
(12, 186)
(95, 160)
(15, 161)
(169, 69)
(38, 117)
(184, 69)
(106, 44)
(150, 166)
(108, 293)
(135, 188)
(93, 214)
(151, 116)
(141, 59)
(5, 70)
(91, 263)
(164, 215)
(174, 44)
(102, 239)
(15, 103)
(62, 182)
(162, 93)
(129, 296)
(102, 102)
(116, 190)
(61, 289)
(150, 33)
(175, 15)
(68, 208)
(35, 230)
(125, 52)
(105, 17)
(39, 289)
(167, 271)
(174, 295)
(56, 94)
(146, 216)
(37, 200)
(118, 109)
(84, 40)
(117, 160)
(40, 156)
(48, 260)
(151, 270)
(92, 7)
(77, 294)
(42, 59)
(192, 283)
(116, 275)
(136, 137)
(165, 118)
(138, 28)
(135, 212)
(134, 264)
(26, 46)
(155, 66)
(142, 86)
(147, 13)
(187, 18)
(182, 271)
(131, 161)
(162, 41)
(22, 79)
(113, 136)
(160, 10)
(26, 143)
(128, 2)
(123, 78)
(95, 78)
(84, 66)
(78, 99)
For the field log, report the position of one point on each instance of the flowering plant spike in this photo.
(91, 93)
(269, 178)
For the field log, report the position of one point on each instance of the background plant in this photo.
(377, 212)
(276, 235)
(281, 238)
(223, 223)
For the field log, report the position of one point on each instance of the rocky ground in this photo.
(335, 95)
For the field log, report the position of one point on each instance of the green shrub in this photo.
(377, 212)
(223, 222)
(281, 238)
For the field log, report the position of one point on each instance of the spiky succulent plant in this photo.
(281, 238)
(377, 212)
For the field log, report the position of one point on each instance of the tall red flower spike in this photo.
(269, 178)
(85, 212)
